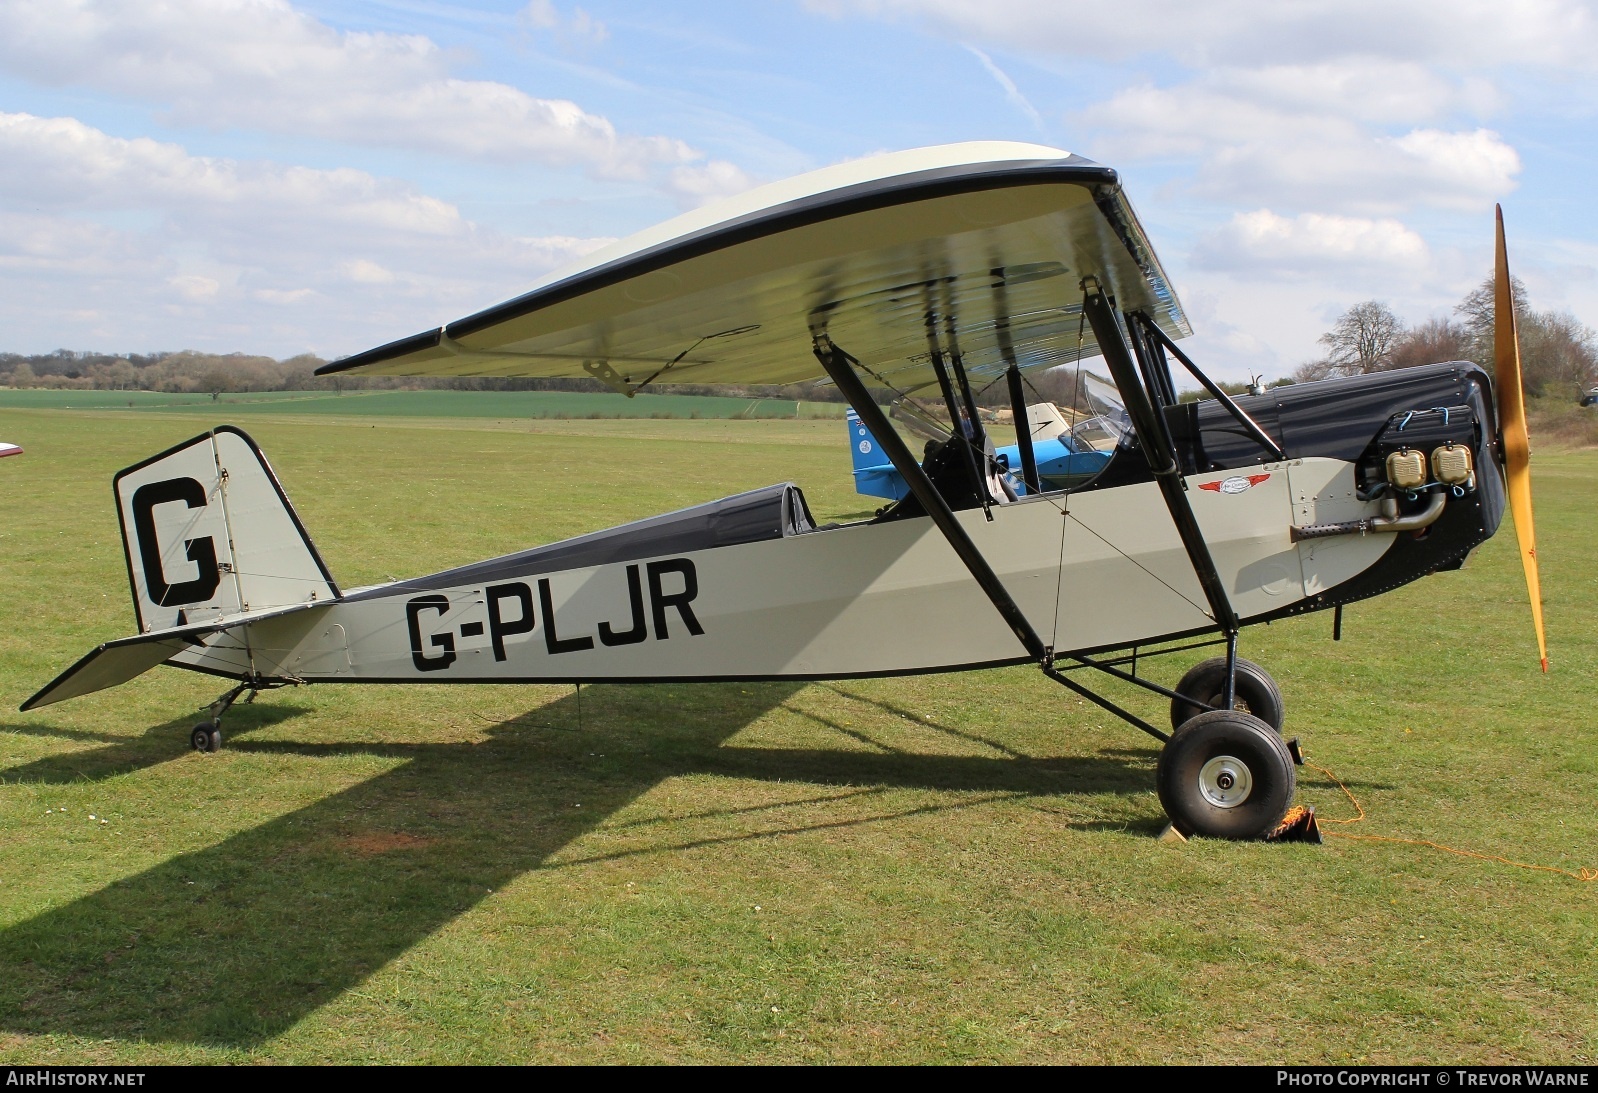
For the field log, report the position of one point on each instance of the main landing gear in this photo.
(1225, 772)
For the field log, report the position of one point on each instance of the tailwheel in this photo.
(206, 736)
(1205, 682)
(1226, 774)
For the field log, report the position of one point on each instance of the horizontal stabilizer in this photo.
(127, 658)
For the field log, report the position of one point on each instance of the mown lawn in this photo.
(929, 869)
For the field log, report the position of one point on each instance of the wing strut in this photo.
(1012, 376)
(1250, 426)
(1158, 450)
(1023, 430)
(840, 366)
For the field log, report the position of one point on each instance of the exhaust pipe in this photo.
(1389, 520)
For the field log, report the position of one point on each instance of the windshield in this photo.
(1108, 421)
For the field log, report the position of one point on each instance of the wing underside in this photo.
(987, 243)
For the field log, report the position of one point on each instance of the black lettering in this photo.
(471, 629)
(202, 552)
(554, 643)
(640, 630)
(445, 641)
(660, 600)
(497, 626)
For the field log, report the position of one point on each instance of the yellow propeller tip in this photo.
(1545, 665)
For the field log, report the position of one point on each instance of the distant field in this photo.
(468, 404)
(925, 869)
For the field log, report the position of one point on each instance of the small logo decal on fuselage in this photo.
(1238, 483)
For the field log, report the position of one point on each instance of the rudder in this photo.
(208, 531)
(874, 473)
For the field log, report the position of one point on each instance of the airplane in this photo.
(9, 449)
(1064, 454)
(913, 277)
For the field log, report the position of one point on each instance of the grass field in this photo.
(928, 869)
(436, 404)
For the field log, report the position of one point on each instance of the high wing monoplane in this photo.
(915, 277)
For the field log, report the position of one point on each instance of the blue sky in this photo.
(322, 176)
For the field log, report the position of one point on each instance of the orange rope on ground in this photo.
(1580, 875)
(1346, 793)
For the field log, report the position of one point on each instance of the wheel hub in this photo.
(1225, 781)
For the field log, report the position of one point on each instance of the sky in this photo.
(323, 176)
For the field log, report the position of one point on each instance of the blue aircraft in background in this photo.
(1063, 460)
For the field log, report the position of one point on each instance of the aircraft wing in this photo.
(991, 239)
(9, 449)
(126, 658)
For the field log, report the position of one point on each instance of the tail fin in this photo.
(209, 532)
(874, 474)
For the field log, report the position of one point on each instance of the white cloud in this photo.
(367, 273)
(579, 26)
(283, 296)
(1451, 32)
(1263, 244)
(262, 64)
(700, 185)
(1007, 85)
(63, 163)
(194, 287)
(1248, 146)
(343, 259)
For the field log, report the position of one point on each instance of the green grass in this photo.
(438, 404)
(929, 869)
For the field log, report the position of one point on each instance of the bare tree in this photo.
(1558, 354)
(1362, 341)
(1432, 341)
(1478, 310)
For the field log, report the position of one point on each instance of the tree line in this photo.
(189, 372)
(1559, 355)
(1559, 358)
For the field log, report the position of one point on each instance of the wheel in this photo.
(1226, 774)
(206, 736)
(1257, 692)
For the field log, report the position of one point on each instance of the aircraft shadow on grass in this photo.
(233, 944)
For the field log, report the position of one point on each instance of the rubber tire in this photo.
(1252, 742)
(206, 737)
(1257, 692)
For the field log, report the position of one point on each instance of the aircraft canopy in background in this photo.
(992, 239)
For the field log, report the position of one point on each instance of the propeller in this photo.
(1512, 430)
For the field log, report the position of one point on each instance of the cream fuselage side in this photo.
(1102, 568)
